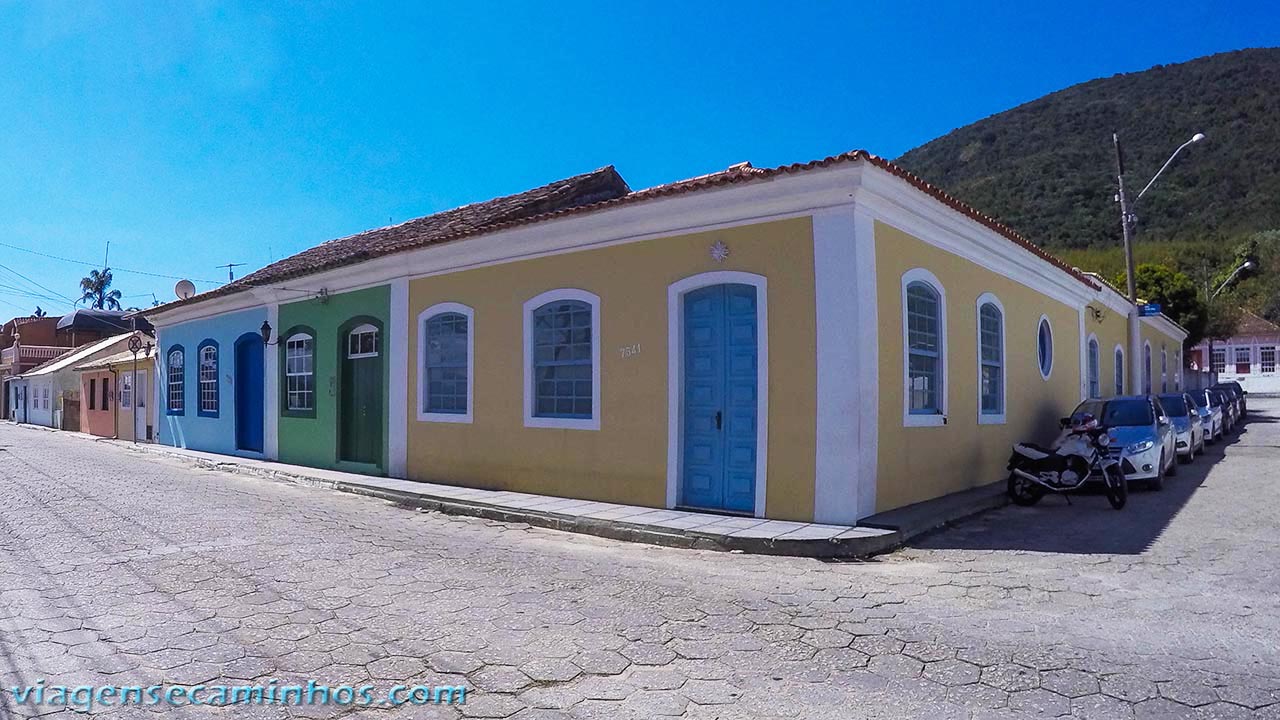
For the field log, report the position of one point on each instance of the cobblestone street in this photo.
(122, 568)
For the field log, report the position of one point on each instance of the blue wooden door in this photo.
(720, 393)
(249, 392)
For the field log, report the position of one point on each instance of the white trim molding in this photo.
(868, 314)
(271, 386)
(1147, 379)
(837, 288)
(421, 400)
(910, 419)
(397, 340)
(1000, 417)
(675, 375)
(1046, 322)
(532, 304)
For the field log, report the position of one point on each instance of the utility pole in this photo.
(1136, 381)
(230, 274)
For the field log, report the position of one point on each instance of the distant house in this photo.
(49, 395)
(1248, 357)
(116, 398)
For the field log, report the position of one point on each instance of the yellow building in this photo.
(814, 342)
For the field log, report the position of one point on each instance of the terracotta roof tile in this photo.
(591, 192)
(1251, 324)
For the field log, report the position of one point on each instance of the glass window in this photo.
(1218, 363)
(1174, 405)
(1119, 371)
(299, 372)
(106, 394)
(445, 359)
(562, 355)
(1044, 346)
(93, 394)
(176, 380)
(1268, 358)
(1244, 357)
(208, 379)
(1095, 370)
(924, 343)
(991, 352)
(362, 342)
(126, 390)
(1121, 413)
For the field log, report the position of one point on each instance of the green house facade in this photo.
(333, 380)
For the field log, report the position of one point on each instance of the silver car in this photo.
(1188, 427)
(1210, 409)
(1142, 436)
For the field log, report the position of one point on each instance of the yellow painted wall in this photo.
(919, 463)
(126, 415)
(626, 460)
(1160, 340)
(1111, 330)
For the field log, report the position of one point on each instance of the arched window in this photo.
(362, 341)
(445, 354)
(1164, 369)
(1119, 370)
(991, 393)
(1044, 347)
(176, 380)
(924, 337)
(1146, 364)
(562, 360)
(300, 373)
(1095, 369)
(207, 379)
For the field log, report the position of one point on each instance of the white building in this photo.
(1248, 357)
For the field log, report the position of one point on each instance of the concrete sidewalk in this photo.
(671, 528)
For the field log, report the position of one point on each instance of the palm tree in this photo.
(96, 290)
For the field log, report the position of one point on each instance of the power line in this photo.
(29, 281)
(115, 269)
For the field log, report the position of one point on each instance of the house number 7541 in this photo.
(627, 351)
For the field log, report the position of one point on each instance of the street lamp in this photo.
(1208, 302)
(1127, 222)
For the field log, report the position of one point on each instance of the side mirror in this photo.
(1244, 392)
(1163, 420)
(1064, 423)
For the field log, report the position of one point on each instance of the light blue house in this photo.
(211, 385)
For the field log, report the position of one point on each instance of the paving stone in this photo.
(1069, 683)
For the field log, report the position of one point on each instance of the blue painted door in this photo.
(720, 393)
(249, 392)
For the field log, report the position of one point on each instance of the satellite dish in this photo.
(184, 289)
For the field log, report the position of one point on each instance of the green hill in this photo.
(1047, 167)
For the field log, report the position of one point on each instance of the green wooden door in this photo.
(360, 416)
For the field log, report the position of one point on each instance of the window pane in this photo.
(562, 360)
(446, 363)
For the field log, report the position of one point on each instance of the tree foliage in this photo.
(96, 290)
(1175, 292)
(1047, 167)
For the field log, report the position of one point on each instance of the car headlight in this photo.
(1142, 446)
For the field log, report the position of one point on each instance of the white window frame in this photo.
(1235, 359)
(298, 336)
(1119, 386)
(126, 390)
(933, 419)
(212, 382)
(1093, 370)
(178, 384)
(1213, 364)
(469, 313)
(1045, 322)
(1262, 362)
(363, 329)
(1001, 417)
(532, 304)
(1164, 369)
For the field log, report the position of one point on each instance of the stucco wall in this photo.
(919, 463)
(626, 459)
(313, 440)
(1111, 331)
(98, 420)
(1160, 340)
(189, 429)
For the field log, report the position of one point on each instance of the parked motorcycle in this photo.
(1082, 454)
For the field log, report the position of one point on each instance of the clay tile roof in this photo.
(1251, 324)
(585, 189)
(590, 192)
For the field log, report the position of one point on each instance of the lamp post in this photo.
(1208, 301)
(1128, 221)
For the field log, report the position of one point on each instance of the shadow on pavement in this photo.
(1086, 524)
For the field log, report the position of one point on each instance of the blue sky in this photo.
(193, 134)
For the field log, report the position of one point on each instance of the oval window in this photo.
(1045, 347)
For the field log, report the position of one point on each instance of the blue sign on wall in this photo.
(1150, 309)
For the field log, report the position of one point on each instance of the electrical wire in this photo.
(114, 269)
